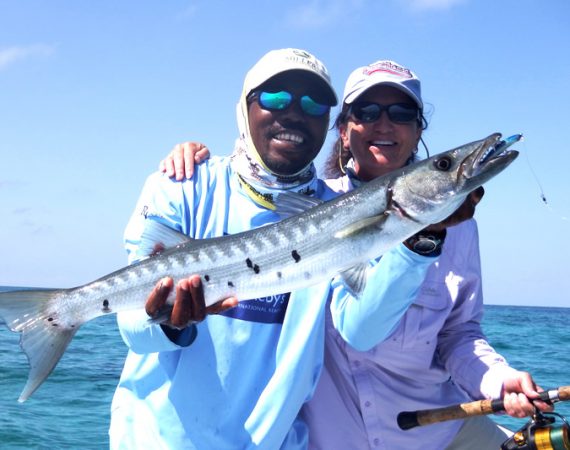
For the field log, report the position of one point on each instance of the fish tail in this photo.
(43, 338)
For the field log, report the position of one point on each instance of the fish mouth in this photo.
(492, 157)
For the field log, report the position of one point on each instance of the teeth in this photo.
(290, 137)
(383, 143)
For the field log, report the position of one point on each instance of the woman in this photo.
(437, 355)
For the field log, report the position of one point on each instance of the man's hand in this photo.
(520, 394)
(181, 160)
(465, 212)
(189, 304)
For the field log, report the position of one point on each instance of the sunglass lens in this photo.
(367, 112)
(313, 108)
(275, 100)
(402, 113)
(397, 112)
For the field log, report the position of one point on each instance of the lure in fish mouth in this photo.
(494, 152)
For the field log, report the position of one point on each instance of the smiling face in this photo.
(288, 140)
(381, 146)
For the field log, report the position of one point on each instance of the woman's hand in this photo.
(520, 394)
(465, 212)
(179, 163)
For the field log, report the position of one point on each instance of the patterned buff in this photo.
(260, 183)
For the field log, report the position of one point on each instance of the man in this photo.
(237, 379)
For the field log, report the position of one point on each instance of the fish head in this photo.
(432, 189)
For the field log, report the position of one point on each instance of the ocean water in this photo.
(71, 409)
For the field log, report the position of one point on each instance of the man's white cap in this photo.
(382, 72)
(283, 60)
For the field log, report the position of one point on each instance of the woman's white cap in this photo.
(382, 72)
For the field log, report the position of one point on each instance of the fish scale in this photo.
(332, 238)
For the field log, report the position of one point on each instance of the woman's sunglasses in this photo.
(369, 112)
(279, 101)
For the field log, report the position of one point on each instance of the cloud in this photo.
(322, 13)
(423, 5)
(12, 55)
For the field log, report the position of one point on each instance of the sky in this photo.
(94, 94)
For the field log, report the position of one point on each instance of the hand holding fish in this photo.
(465, 212)
(189, 305)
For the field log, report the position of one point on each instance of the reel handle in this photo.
(411, 419)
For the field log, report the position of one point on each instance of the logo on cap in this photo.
(388, 67)
(305, 58)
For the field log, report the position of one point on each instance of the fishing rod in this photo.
(539, 433)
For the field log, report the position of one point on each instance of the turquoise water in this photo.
(71, 409)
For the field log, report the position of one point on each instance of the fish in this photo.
(314, 242)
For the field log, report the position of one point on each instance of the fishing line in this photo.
(536, 179)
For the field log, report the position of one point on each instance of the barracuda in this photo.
(315, 243)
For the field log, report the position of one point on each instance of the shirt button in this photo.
(376, 441)
(367, 404)
(356, 363)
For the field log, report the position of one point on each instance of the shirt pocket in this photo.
(420, 325)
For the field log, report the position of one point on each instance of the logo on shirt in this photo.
(263, 310)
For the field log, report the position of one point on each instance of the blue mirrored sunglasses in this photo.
(279, 101)
(369, 112)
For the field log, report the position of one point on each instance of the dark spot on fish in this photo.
(207, 277)
(256, 268)
(307, 275)
(296, 256)
(249, 263)
(279, 274)
(106, 308)
(230, 284)
(72, 326)
(50, 319)
(54, 325)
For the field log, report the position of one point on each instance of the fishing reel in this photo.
(541, 432)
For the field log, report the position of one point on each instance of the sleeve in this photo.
(168, 202)
(462, 346)
(165, 201)
(392, 284)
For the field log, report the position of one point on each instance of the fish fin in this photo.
(289, 204)
(157, 237)
(42, 339)
(374, 221)
(355, 279)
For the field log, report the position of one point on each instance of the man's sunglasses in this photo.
(369, 112)
(279, 101)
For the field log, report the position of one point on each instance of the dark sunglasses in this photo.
(369, 112)
(279, 101)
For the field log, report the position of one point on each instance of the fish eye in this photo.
(443, 163)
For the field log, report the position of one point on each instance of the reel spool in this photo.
(541, 432)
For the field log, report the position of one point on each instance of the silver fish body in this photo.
(335, 237)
